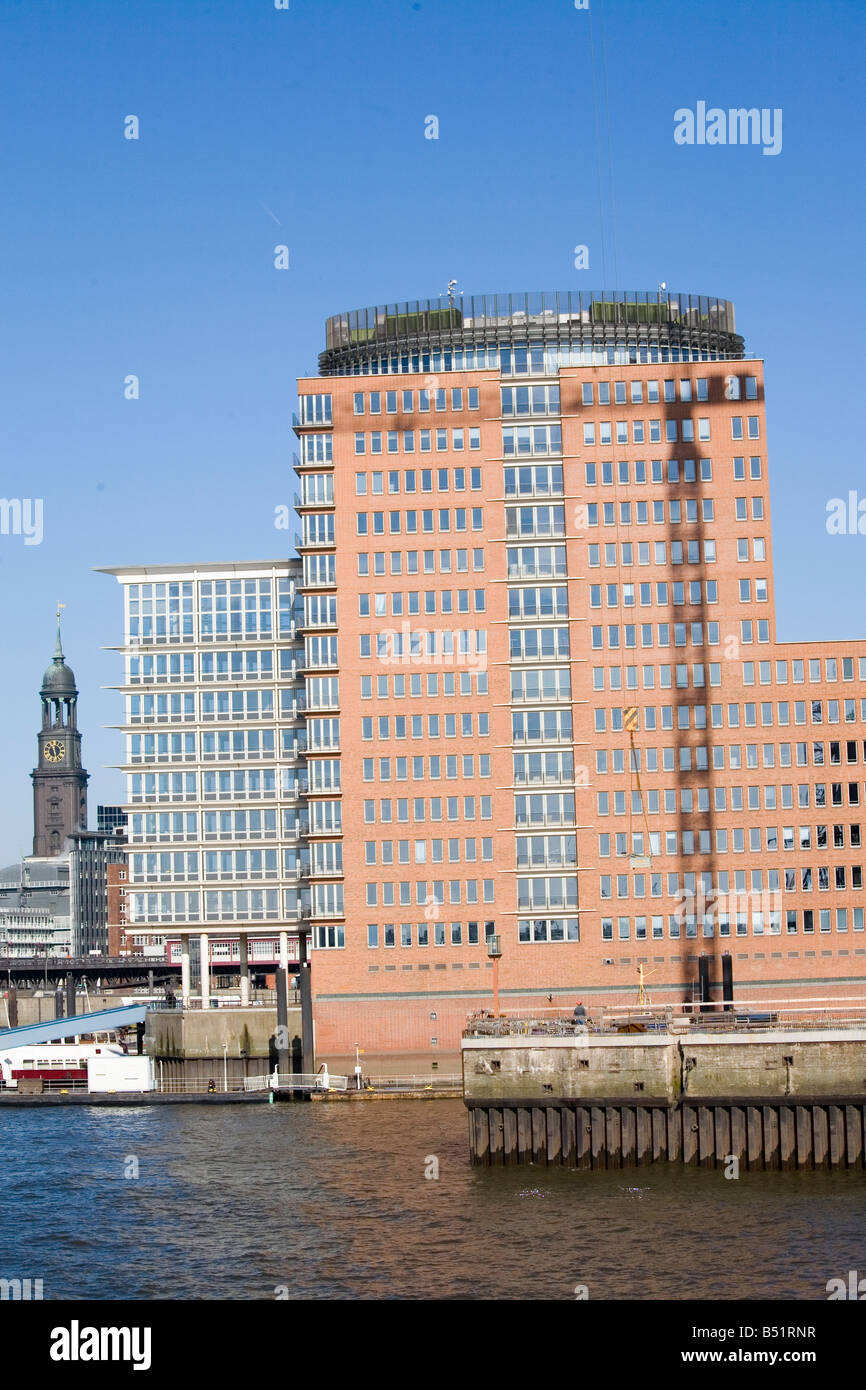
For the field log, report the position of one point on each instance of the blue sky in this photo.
(306, 127)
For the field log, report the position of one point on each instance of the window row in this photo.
(536, 930)
(403, 441)
(212, 825)
(437, 399)
(234, 743)
(689, 389)
(454, 765)
(628, 550)
(790, 755)
(529, 400)
(220, 905)
(160, 866)
(424, 851)
(417, 481)
(389, 934)
(718, 713)
(437, 892)
(415, 726)
(677, 593)
(607, 432)
(435, 808)
(463, 646)
(315, 410)
(240, 705)
(589, 512)
(255, 784)
(673, 634)
(536, 359)
(417, 685)
(525, 440)
(212, 666)
(657, 471)
(430, 601)
(690, 928)
(373, 523)
(825, 837)
(425, 558)
(678, 511)
(760, 839)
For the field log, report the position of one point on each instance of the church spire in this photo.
(59, 780)
(58, 649)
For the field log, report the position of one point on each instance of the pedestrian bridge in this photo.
(297, 1081)
(74, 1025)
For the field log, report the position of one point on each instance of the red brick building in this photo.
(524, 517)
(116, 878)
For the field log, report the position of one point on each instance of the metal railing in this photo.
(185, 1086)
(432, 1081)
(750, 1016)
(260, 999)
(297, 1081)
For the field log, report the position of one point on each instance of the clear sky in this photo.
(305, 127)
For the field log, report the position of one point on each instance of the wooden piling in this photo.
(660, 1135)
(690, 1134)
(754, 1138)
(509, 1135)
(629, 1137)
(803, 1121)
(583, 1136)
(569, 1138)
(770, 1117)
(787, 1138)
(524, 1135)
(495, 1126)
(776, 1135)
(722, 1123)
(644, 1136)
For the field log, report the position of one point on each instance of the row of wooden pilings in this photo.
(779, 1134)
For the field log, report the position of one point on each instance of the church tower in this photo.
(59, 780)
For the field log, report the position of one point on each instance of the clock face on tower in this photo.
(54, 750)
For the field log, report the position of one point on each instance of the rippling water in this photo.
(332, 1202)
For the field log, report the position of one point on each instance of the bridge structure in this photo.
(112, 972)
(289, 1082)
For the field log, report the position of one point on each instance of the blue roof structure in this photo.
(101, 1022)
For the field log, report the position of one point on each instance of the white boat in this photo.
(57, 1063)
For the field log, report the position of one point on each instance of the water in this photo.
(331, 1201)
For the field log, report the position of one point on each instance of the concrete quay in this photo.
(777, 1098)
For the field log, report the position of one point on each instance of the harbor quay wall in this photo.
(664, 1066)
(194, 1045)
(505, 1068)
(773, 1100)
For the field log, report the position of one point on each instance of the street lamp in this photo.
(494, 951)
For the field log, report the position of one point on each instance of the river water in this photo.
(331, 1201)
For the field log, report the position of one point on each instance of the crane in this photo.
(637, 861)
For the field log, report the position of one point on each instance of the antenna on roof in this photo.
(452, 286)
